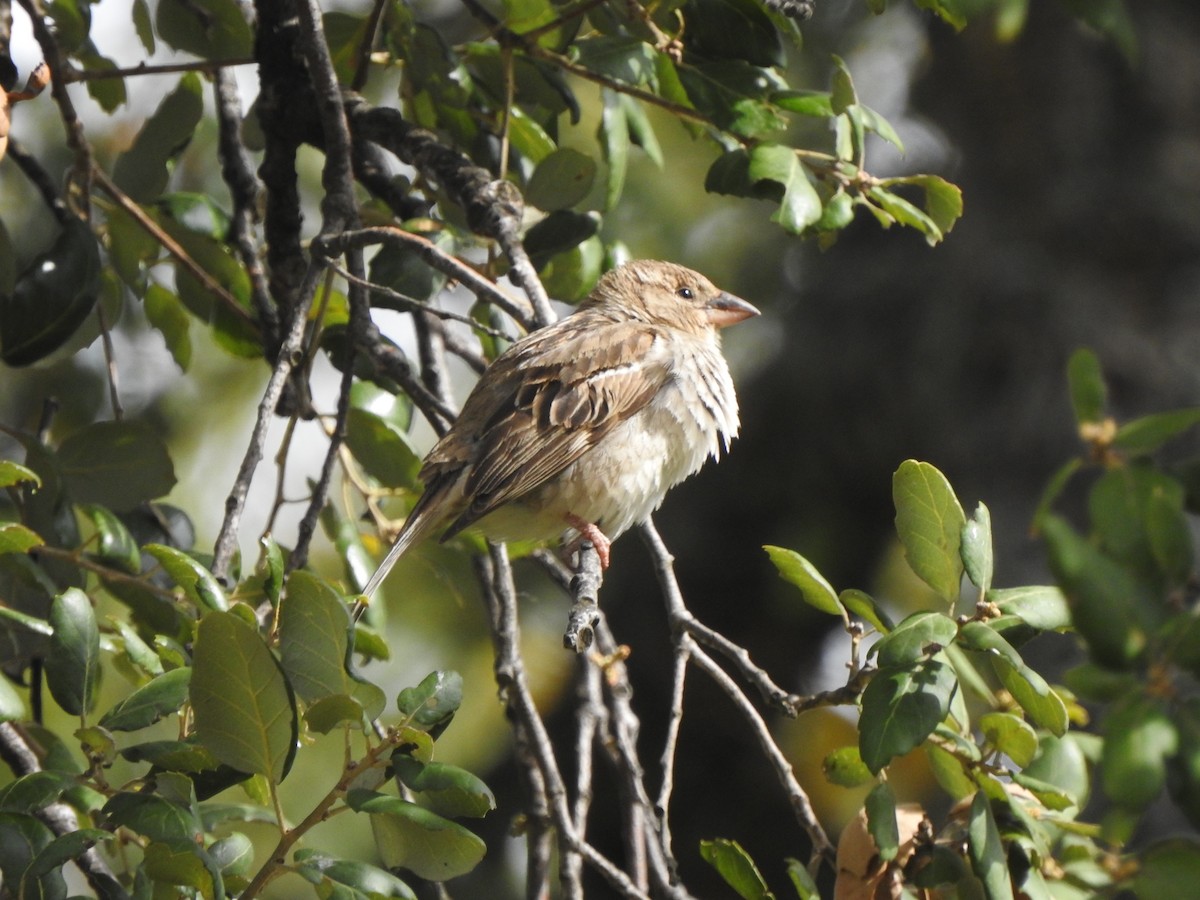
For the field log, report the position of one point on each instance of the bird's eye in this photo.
(685, 293)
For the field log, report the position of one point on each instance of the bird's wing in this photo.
(547, 405)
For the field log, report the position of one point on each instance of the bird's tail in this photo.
(420, 522)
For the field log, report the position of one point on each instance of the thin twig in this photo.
(362, 62)
(110, 364)
(173, 247)
(413, 305)
(235, 503)
(682, 619)
(204, 65)
(435, 256)
(801, 805)
(31, 166)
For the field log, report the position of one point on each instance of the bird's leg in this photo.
(590, 532)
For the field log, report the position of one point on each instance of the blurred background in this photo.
(1080, 167)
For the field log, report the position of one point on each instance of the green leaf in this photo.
(211, 29)
(1039, 606)
(449, 790)
(557, 233)
(881, 820)
(613, 132)
(410, 837)
(732, 29)
(627, 59)
(977, 548)
(51, 858)
(73, 661)
(1062, 763)
(901, 707)
(1028, 688)
(799, 205)
(13, 473)
(199, 585)
(1148, 433)
(314, 633)
(16, 538)
(113, 545)
(233, 854)
(12, 707)
(366, 879)
(863, 605)
(243, 707)
(986, 850)
(806, 887)
(153, 816)
(570, 276)
(160, 697)
(806, 103)
(184, 865)
(1137, 514)
(916, 637)
(167, 314)
(844, 767)
(734, 865)
(35, 791)
(1139, 739)
(24, 838)
(842, 95)
(1170, 868)
(143, 170)
(561, 180)
(381, 449)
(326, 714)
(1110, 18)
(1011, 735)
(434, 701)
(949, 772)
(115, 464)
(929, 522)
(905, 212)
(796, 570)
(1089, 396)
(52, 298)
(1114, 613)
(734, 93)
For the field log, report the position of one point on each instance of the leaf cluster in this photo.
(226, 688)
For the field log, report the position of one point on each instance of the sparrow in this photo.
(578, 430)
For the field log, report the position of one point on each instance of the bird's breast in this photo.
(625, 477)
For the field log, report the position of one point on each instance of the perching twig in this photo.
(687, 648)
(584, 615)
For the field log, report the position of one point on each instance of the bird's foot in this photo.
(590, 532)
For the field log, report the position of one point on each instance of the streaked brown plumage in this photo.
(583, 426)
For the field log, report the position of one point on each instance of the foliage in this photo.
(1015, 755)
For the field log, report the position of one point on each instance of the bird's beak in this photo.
(725, 310)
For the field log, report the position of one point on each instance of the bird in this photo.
(578, 430)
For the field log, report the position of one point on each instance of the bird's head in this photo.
(664, 293)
